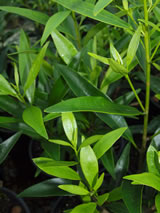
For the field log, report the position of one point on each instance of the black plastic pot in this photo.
(9, 200)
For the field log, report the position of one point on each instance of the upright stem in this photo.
(147, 100)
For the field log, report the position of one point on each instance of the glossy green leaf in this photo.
(99, 182)
(102, 198)
(157, 202)
(4, 119)
(99, 58)
(51, 116)
(104, 144)
(90, 140)
(33, 117)
(152, 161)
(86, 9)
(92, 104)
(146, 178)
(87, 207)
(35, 67)
(116, 67)
(132, 197)
(51, 150)
(5, 87)
(81, 87)
(73, 189)
(115, 194)
(89, 164)
(100, 5)
(58, 171)
(70, 127)
(48, 162)
(60, 142)
(30, 14)
(133, 46)
(47, 188)
(7, 145)
(52, 23)
(65, 48)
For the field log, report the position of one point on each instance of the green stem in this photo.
(147, 98)
(77, 30)
(135, 93)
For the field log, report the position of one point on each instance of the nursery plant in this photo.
(60, 93)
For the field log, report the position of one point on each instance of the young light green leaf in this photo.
(99, 58)
(146, 178)
(102, 198)
(30, 14)
(100, 5)
(52, 23)
(116, 67)
(115, 54)
(86, 9)
(7, 145)
(51, 116)
(77, 190)
(133, 46)
(33, 117)
(16, 75)
(87, 207)
(90, 140)
(89, 164)
(125, 4)
(35, 67)
(70, 127)
(64, 47)
(157, 202)
(60, 142)
(104, 144)
(152, 161)
(5, 87)
(58, 171)
(92, 104)
(99, 182)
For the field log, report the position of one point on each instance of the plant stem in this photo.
(147, 98)
(135, 93)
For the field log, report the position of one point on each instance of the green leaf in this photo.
(102, 198)
(33, 117)
(157, 202)
(146, 178)
(89, 164)
(92, 104)
(99, 58)
(86, 9)
(90, 140)
(133, 46)
(4, 119)
(100, 5)
(70, 127)
(16, 75)
(47, 188)
(152, 161)
(65, 48)
(115, 54)
(30, 14)
(52, 23)
(104, 144)
(88, 207)
(7, 145)
(35, 67)
(60, 142)
(5, 87)
(132, 196)
(77, 190)
(48, 162)
(115, 194)
(51, 116)
(99, 182)
(58, 171)
(116, 67)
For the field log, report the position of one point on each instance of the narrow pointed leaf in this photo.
(30, 14)
(88, 207)
(115, 54)
(100, 5)
(52, 23)
(86, 9)
(99, 58)
(152, 160)
(33, 117)
(107, 141)
(99, 182)
(89, 164)
(4, 119)
(60, 142)
(90, 140)
(7, 145)
(73, 189)
(5, 87)
(116, 67)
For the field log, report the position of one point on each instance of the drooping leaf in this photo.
(86, 9)
(104, 144)
(73, 189)
(46, 188)
(7, 145)
(33, 117)
(100, 5)
(146, 178)
(52, 23)
(89, 164)
(5, 87)
(92, 104)
(132, 196)
(65, 48)
(87, 207)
